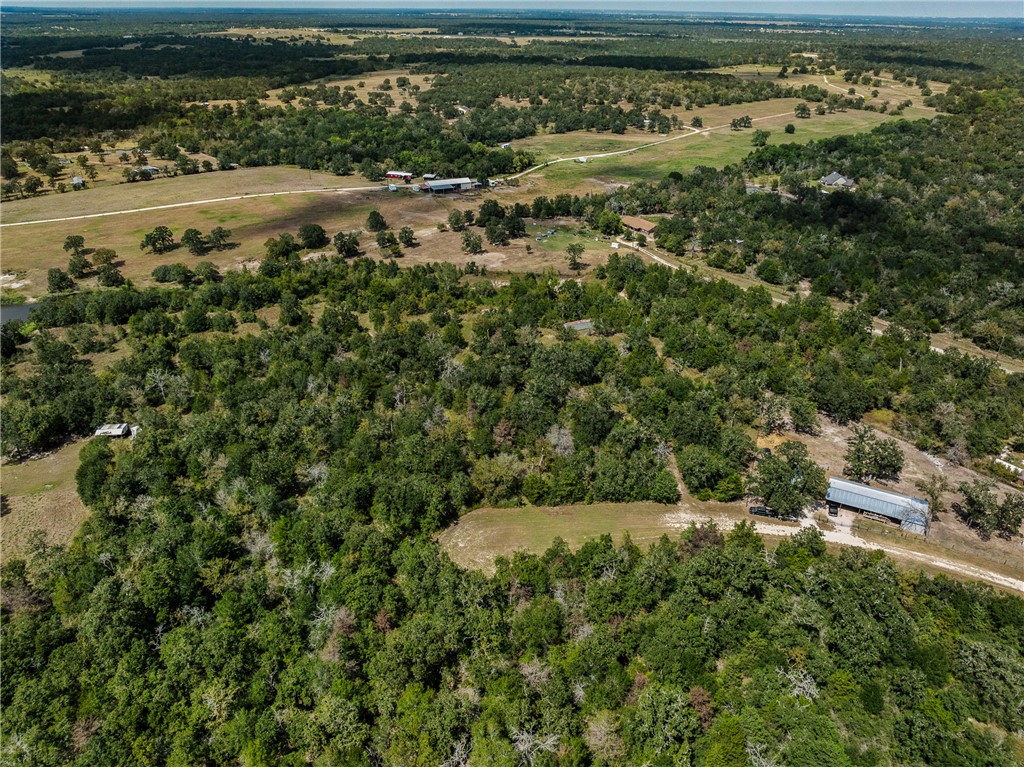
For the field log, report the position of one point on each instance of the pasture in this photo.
(717, 145)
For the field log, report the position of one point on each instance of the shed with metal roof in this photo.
(910, 513)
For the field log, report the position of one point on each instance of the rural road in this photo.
(332, 190)
(844, 536)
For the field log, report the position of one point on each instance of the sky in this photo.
(1013, 9)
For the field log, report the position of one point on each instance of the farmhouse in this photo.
(910, 513)
(402, 174)
(638, 224)
(836, 180)
(443, 185)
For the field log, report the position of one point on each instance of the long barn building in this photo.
(909, 513)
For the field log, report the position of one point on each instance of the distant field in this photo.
(30, 250)
(167, 191)
(715, 148)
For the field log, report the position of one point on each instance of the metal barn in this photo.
(909, 513)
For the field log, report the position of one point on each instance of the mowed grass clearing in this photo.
(482, 535)
(41, 495)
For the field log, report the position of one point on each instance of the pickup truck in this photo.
(762, 511)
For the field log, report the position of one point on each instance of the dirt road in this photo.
(844, 536)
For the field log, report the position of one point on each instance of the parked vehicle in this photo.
(762, 511)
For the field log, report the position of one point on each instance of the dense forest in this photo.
(257, 580)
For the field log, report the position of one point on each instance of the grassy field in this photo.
(168, 191)
(717, 148)
(484, 534)
(41, 495)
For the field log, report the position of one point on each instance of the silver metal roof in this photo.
(450, 182)
(888, 504)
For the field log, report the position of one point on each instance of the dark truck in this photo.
(764, 511)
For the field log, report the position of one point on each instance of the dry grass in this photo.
(104, 198)
(40, 495)
(371, 81)
(890, 90)
(31, 250)
(482, 535)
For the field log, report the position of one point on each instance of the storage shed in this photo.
(443, 185)
(909, 513)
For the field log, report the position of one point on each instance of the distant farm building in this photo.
(77, 182)
(638, 224)
(506, 145)
(429, 176)
(836, 180)
(909, 513)
(580, 326)
(402, 174)
(446, 185)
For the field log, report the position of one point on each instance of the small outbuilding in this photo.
(580, 326)
(399, 174)
(113, 430)
(637, 224)
(909, 513)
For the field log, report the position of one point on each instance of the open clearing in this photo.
(168, 191)
(40, 495)
(950, 547)
(717, 145)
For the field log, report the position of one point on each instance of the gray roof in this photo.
(580, 325)
(892, 505)
(113, 430)
(449, 183)
(832, 178)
